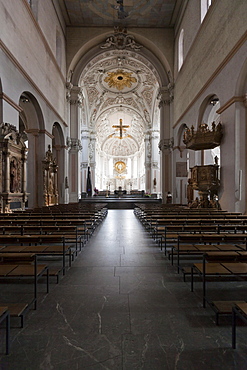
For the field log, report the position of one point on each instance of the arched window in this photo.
(181, 49)
(205, 4)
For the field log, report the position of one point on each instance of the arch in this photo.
(149, 51)
(208, 107)
(58, 150)
(33, 112)
(31, 122)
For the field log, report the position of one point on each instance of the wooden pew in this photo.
(216, 269)
(34, 272)
(18, 310)
(239, 310)
(207, 238)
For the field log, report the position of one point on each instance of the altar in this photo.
(120, 192)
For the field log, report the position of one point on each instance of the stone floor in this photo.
(123, 306)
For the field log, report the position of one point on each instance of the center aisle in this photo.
(121, 307)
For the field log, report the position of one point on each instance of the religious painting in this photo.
(181, 169)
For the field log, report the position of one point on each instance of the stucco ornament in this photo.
(120, 79)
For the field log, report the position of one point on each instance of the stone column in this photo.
(75, 99)
(166, 141)
(148, 154)
(155, 162)
(24, 176)
(85, 139)
(74, 146)
(91, 154)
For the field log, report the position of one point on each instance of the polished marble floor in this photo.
(122, 306)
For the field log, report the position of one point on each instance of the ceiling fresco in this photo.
(130, 13)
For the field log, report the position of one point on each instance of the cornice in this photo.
(233, 100)
(10, 102)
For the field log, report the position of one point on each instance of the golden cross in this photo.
(120, 127)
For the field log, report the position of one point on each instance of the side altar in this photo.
(13, 157)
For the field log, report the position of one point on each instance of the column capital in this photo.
(75, 95)
(73, 144)
(84, 165)
(165, 95)
(166, 144)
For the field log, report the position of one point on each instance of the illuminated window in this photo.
(205, 4)
(181, 49)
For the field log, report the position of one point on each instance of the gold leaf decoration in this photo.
(120, 79)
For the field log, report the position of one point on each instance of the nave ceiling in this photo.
(120, 84)
(130, 13)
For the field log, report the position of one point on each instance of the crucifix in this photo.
(120, 127)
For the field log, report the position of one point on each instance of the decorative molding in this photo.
(121, 40)
(46, 133)
(36, 132)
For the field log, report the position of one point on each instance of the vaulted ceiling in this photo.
(121, 92)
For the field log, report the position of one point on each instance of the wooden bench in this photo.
(34, 272)
(19, 254)
(45, 242)
(207, 238)
(222, 308)
(239, 310)
(17, 310)
(216, 269)
(4, 316)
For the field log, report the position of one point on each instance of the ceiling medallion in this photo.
(120, 166)
(120, 79)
